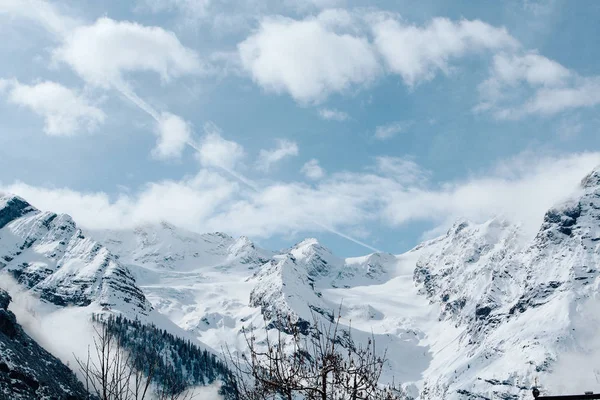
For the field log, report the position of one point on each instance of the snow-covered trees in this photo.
(134, 361)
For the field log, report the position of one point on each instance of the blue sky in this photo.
(369, 125)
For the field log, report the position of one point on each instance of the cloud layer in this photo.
(392, 192)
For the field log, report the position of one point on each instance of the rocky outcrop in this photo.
(48, 253)
(27, 371)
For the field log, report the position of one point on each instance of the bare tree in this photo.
(111, 373)
(324, 365)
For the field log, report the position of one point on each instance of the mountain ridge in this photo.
(481, 311)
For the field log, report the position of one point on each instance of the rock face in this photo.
(46, 252)
(27, 371)
(519, 304)
(285, 290)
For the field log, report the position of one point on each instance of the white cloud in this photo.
(103, 52)
(384, 132)
(531, 67)
(333, 114)
(584, 93)
(418, 53)
(332, 52)
(41, 12)
(173, 135)
(310, 58)
(402, 170)
(312, 170)
(525, 84)
(521, 189)
(187, 202)
(65, 111)
(215, 151)
(267, 158)
(395, 193)
(5, 84)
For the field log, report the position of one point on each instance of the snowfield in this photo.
(481, 312)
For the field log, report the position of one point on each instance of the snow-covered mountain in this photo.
(27, 371)
(481, 312)
(49, 254)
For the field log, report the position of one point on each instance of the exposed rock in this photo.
(27, 371)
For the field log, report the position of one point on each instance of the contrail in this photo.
(256, 189)
(137, 100)
(347, 237)
(148, 109)
(60, 26)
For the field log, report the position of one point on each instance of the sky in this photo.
(368, 125)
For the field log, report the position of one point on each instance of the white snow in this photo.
(482, 310)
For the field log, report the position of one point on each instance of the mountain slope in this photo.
(521, 307)
(49, 254)
(478, 313)
(27, 371)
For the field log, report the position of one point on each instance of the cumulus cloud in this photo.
(103, 52)
(65, 111)
(525, 84)
(173, 134)
(285, 148)
(333, 114)
(531, 67)
(418, 53)
(337, 50)
(384, 132)
(41, 12)
(215, 151)
(585, 92)
(326, 57)
(312, 170)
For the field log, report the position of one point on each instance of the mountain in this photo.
(27, 371)
(46, 252)
(77, 277)
(481, 312)
(522, 307)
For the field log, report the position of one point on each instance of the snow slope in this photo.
(73, 274)
(480, 312)
(49, 254)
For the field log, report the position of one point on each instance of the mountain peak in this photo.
(307, 242)
(219, 235)
(592, 180)
(13, 207)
